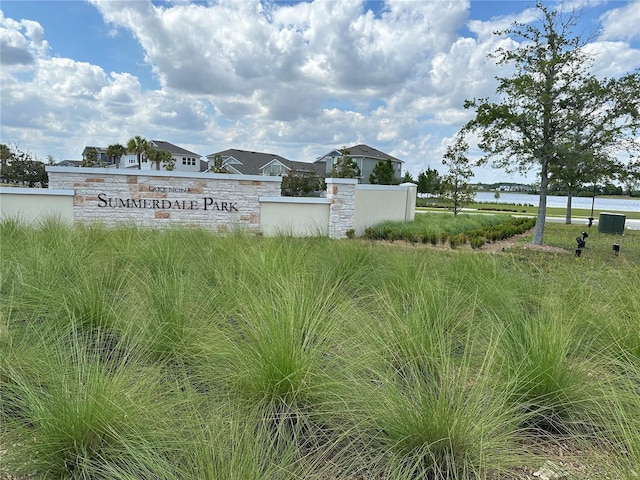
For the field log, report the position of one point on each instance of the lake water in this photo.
(624, 205)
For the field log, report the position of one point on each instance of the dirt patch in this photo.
(503, 245)
(493, 247)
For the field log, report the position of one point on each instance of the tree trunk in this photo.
(538, 232)
(569, 197)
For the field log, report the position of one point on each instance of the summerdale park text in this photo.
(207, 203)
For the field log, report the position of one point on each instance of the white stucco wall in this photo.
(33, 205)
(379, 203)
(299, 217)
(217, 202)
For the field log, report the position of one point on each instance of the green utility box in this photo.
(611, 223)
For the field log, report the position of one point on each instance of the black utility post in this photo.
(593, 201)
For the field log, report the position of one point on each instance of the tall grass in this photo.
(432, 402)
(72, 415)
(131, 353)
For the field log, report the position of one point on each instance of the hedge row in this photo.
(476, 238)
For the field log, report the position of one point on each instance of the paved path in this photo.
(630, 224)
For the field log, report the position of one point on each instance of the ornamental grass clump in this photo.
(79, 417)
(540, 357)
(226, 445)
(456, 427)
(624, 425)
(167, 327)
(431, 405)
(277, 354)
(281, 353)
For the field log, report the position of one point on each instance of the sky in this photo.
(297, 79)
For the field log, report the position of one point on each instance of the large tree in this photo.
(602, 118)
(218, 165)
(5, 157)
(139, 146)
(408, 178)
(630, 177)
(530, 125)
(20, 168)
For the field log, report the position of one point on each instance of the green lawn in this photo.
(139, 354)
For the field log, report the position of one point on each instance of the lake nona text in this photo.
(207, 203)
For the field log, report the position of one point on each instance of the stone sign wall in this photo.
(216, 202)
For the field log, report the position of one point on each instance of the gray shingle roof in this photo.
(173, 149)
(362, 150)
(252, 162)
(367, 151)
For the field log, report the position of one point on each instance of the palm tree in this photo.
(139, 146)
(159, 156)
(116, 151)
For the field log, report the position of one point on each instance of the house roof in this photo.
(97, 149)
(362, 150)
(173, 149)
(69, 163)
(250, 162)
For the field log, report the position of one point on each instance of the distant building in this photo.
(513, 187)
(245, 162)
(100, 156)
(69, 163)
(184, 159)
(364, 156)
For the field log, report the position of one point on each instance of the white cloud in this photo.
(21, 43)
(622, 23)
(613, 58)
(296, 79)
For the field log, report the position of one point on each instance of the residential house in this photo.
(100, 156)
(185, 160)
(245, 162)
(69, 163)
(364, 156)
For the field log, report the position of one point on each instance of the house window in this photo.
(275, 169)
(184, 161)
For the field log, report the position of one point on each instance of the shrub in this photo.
(476, 241)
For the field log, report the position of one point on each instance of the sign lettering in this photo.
(207, 203)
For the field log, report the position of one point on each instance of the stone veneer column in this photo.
(342, 193)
